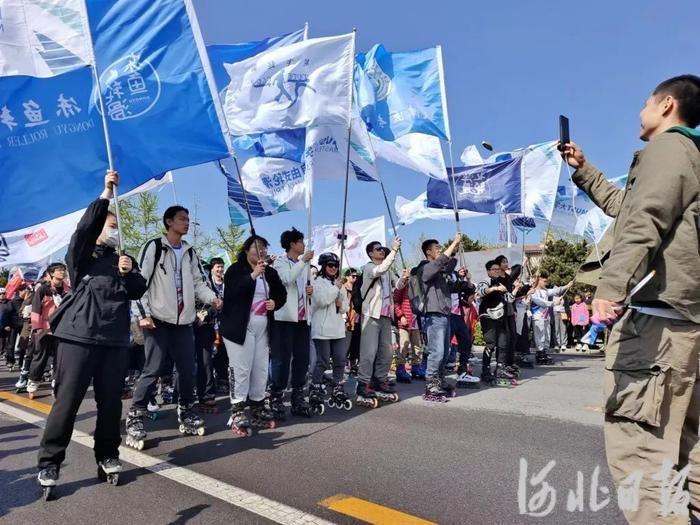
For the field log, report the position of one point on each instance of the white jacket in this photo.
(289, 272)
(160, 300)
(328, 321)
(372, 275)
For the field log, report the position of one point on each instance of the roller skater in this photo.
(434, 392)
(492, 309)
(300, 407)
(366, 397)
(91, 329)
(252, 292)
(540, 303)
(135, 433)
(384, 391)
(339, 399)
(108, 470)
(261, 414)
(48, 477)
(239, 423)
(189, 422)
(316, 401)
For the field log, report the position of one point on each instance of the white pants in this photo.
(249, 362)
(542, 331)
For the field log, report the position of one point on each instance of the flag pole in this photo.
(213, 88)
(309, 199)
(342, 236)
(105, 128)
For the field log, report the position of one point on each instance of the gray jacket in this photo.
(437, 285)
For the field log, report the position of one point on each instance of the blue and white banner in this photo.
(575, 212)
(490, 188)
(43, 38)
(282, 181)
(358, 235)
(292, 87)
(415, 151)
(400, 93)
(221, 54)
(410, 211)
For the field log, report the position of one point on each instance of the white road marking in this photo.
(249, 501)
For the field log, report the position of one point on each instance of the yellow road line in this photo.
(370, 512)
(44, 408)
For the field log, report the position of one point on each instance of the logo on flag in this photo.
(131, 87)
(36, 237)
(475, 187)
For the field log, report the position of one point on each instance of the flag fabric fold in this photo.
(358, 233)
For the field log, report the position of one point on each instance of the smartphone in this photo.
(564, 137)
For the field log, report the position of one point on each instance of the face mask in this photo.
(111, 237)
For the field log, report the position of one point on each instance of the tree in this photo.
(140, 221)
(562, 260)
(229, 240)
(468, 244)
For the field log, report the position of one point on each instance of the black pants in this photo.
(220, 363)
(165, 344)
(204, 347)
(354, 347)
(579, 332)
(511, 339)
(136, 359)
(495, 340)
(44, 349)
(76, 365)
(8, 343)
(289, 342)
(522, 345)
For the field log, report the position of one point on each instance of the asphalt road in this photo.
(453, 463)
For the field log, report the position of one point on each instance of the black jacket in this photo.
(98, 312)
(7, 314)
(239, 290)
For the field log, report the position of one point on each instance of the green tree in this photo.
(229, 240)
(140, 221)
(562, 260)
(468, 244)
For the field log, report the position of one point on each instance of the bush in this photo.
(478, 335)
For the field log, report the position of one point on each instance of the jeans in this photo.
(437, 330)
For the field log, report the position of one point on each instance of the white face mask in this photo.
(111, 237)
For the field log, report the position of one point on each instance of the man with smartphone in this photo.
(651, 384)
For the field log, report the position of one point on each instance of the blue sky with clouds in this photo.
(511, 68)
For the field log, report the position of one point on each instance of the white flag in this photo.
(407, 211)
(359, 235)
(541, 167)
(43, 39)
(282, 181)
(292, 87)
(35, 243)
(415, 151)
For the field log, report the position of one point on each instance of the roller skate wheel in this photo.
(374, 403)
(200, 431)
(113, 479)
(182, 429)
(394, 397)
(330, 403)
(31, 395)
(347, 405)
(272, 424)
(320, 409)
(46, 493)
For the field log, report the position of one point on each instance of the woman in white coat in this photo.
(329, 304)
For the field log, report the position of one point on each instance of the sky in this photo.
(511, 67)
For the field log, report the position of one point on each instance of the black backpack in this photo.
(357, 297)
(159, 253)
(416, 292)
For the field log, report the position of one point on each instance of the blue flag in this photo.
(489, 188)
(284, 144)
(52, 147)
(221, 54)
(400, 93)
(160, 108)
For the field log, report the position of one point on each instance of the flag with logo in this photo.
(400, 93)
(292, 87)
(358, 233)
(490, 188)
(281, 181)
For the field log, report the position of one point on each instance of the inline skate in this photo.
(238, 422)
(541, 358)
(316, 395)
(385, 391)
(135, 433)
(48, 477)
(300, 407)
(277, 405)
(366, 397)
(504, 377)
(108, 470)
(434, 391)
(339, 399)
(261, 414)
(189, 422)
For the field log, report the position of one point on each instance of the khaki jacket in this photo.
(656, 225)
(372, 304)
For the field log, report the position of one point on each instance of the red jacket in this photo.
(402, 305)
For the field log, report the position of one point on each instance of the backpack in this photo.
(416, 292)
(159, 253)
(357, 297)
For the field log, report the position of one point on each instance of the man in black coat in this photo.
(92, 329)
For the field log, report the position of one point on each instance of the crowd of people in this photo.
(183, 330)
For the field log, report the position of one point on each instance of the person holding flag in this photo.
(92, 330)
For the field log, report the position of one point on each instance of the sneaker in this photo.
(578, 347)
(21, 383)
(563, 348)
(585, 348)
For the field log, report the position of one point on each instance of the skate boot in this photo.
(524, 361)
(108, 470)
(135, 434)
(167, 394)
(316, 394)
(385, 391)
(261, 414)
(299, 405)
(513, 370)
(487, 378)
(152, 410)
(339, 399)
(238, 422)
(208, 406)
(190, 423)
(433, 391)
(447, 387)
(366, 397)
(32, 388)
(418, 372)
(466, 378)
(21, 384)
(541, 358)
(503, 377)
(47, 479)
(277, 405)
(402, 376)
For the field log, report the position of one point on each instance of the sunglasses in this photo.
(331, 265)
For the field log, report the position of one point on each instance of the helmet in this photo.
(325, 258)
